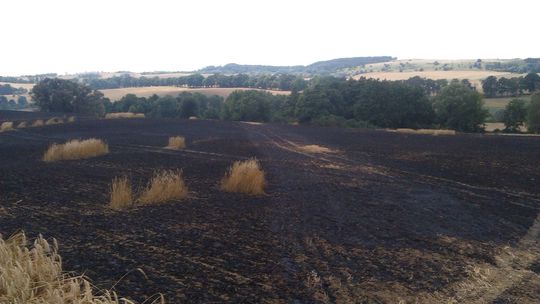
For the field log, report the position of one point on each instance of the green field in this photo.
(495, 104)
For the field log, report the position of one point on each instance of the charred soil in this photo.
(384, 217)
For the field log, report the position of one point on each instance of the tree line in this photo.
(285, 82)
(326, 101)
(515, 86)
(11, 104)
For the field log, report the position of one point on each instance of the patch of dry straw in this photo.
(38, 123)
(54, 121)
(164, 186)
(124, 115)
(244, 177)
(76, 149)
(33, 275)
(434, 132)
(6, 126)
(121, 194)
(176, 143)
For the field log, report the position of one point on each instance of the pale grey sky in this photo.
(67, 36)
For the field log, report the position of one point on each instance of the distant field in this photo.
(475, 76)
(494, 104)
(116, 94)
(408, 65)
(468, 74)
(27, 86)
(105, 75)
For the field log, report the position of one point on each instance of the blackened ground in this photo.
(383, 217)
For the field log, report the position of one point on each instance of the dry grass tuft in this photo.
(34, 276)
(54, 121)
(164, 186)
(176, 143)
(38, 123)
(76, 149)
(434, 132)
(315, 149)
(244, 177)
(6, 126)
(121, 194)
(71, 119)
(124, 115)
(22, 125)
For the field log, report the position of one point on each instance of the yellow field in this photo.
(465, 74)
(475, 77)
(27, 86)
(117, 94)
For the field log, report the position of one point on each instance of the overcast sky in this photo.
(66, 36)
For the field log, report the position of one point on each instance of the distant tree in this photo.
(468, 84)
(460, 108)
(507, 86)
(533, 114)
(4, 105)
(489, 85)
(22, 101)
(248, 106)
(59, 95)
(531, 82)
(514, 115)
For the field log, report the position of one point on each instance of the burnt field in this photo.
(377, 217)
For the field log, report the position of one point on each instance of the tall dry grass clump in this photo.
(76, 149)
(121, 194)
(176, 143)
(6, 126)
(164, 186)
(244, 177)
(34, 276)
(54, 121)
(124, 115)
(38, 123)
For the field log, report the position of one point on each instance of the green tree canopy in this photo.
(248, 106)
(59, 95)
(533, 114)
(531, 82)
(489, 85)
(514, 115)
(460, 108)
